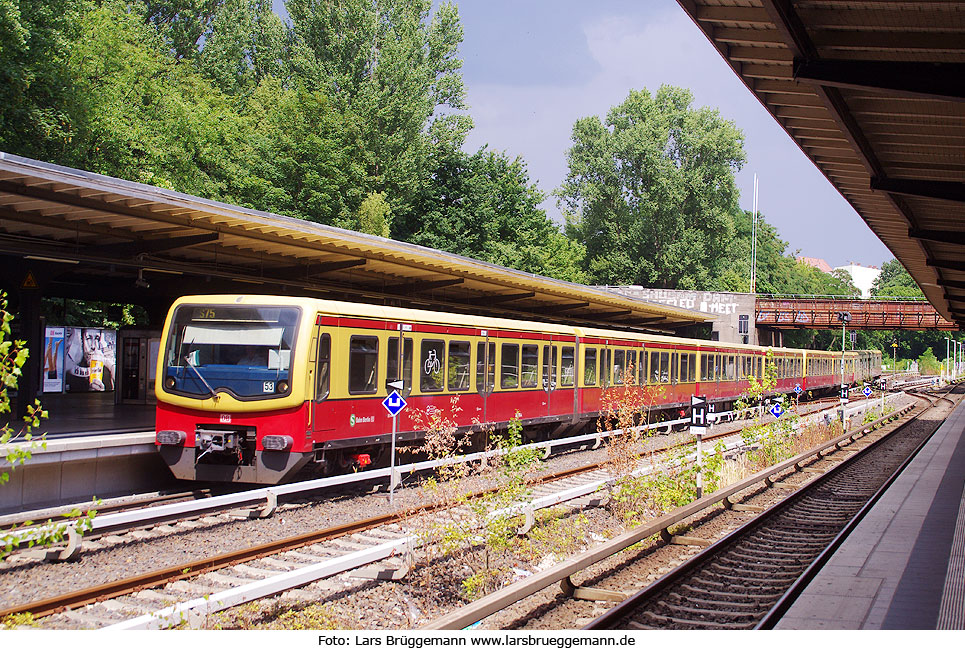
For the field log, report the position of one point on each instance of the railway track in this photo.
(227, 580)
(119, 518)
(376, 548)
(747, 579)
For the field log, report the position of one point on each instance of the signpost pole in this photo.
(395, 419)
(698, 426)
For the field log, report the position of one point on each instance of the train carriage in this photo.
(256, 388)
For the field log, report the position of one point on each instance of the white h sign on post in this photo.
(698, 426)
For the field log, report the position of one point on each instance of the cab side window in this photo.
(323, 360)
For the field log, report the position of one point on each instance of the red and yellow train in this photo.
(255, 388)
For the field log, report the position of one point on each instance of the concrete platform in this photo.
(93, 448)
(903, 567)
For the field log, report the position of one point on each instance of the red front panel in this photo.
(289, 421)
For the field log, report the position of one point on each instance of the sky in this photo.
(533, 67)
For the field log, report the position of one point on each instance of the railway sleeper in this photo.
(711, 598)
(758, 563)
(684, 623)
(775, 549)
(738, 574)
(720, 590)
(727, 615)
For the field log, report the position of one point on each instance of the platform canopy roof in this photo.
(87, 236)
(874, 94)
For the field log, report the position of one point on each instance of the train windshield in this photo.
(245, 351)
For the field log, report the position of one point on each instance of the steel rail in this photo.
(474, 612)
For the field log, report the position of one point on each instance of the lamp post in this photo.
(945, 362)
(894, 353)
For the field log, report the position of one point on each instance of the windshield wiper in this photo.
(187, 359)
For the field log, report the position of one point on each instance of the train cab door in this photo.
(322, 418)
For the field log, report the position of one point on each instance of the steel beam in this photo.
(918, 79)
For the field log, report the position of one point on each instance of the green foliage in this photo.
(894, 281)
(19, 443)
(928, 363)
(482, 206)
(651, 191)
(18, 620)
(374, 215)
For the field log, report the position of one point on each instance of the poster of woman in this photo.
(90, 360)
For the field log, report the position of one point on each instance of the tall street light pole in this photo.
(945, 362)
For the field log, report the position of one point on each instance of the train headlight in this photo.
(169, 382)
(283, 387)
(171, 437)
(277, 442)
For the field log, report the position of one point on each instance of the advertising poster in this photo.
(91, 359)
(54, 360)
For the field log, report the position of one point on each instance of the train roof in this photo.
(397, 314)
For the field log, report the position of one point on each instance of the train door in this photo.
(550, 380)
(559, 377)
(485, 372)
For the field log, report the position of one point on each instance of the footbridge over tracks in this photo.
(797, 312)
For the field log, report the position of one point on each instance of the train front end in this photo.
(232, 389)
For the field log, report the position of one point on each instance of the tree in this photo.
(389, 71)
(483, 206)
(651, 192)
(894, 281)
(35, 39)
(247, 42)
(374, 215)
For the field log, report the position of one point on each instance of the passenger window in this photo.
(589, 366)
(509, 367)
(363, 364)
(530, 376)
(674, 362)
(619, 365)
(664, 367)
(459, 365)
(392, 368)
(432, 365)
(632, 364)
(606, 365)
(323, 360)
(706, 367)
(550, 356)
(567, 367)
(482, 363)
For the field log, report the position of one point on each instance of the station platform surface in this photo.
(92, 413)
(903, 566)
